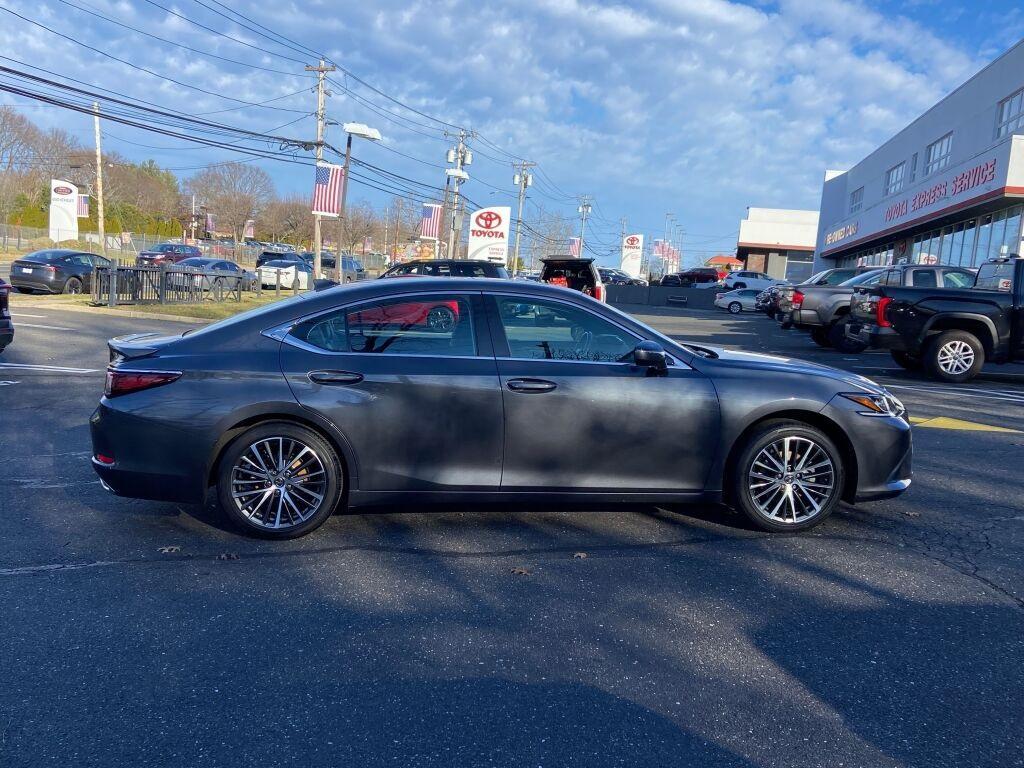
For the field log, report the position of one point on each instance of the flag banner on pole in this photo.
(83, 206)
(327, 189)
(430, 224)
(367, 244)
(249, 231)
(211, 223)
(574, 247)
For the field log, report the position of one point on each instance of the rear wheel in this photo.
(73, 286)
(820, 337)
(788, 477)
(841, 342)
(906, 360)
(279, 481)
(735, 307)
(954, 356)
(440, 319)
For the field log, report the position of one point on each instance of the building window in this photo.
(1010, 114)
(937, 155)
(913, 167)
(894, 178)
(856, 200)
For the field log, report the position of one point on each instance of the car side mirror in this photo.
(650, 355)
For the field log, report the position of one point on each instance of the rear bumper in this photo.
(804, 318)
(36, 283)
(874, 336)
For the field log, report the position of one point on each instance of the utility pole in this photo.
(666, 243)
(584, 211)
(100, 225)
(459, 156)
(387, 223)
(398, 226)
(522, 179)
(321, 72)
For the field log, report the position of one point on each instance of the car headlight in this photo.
(877, 405)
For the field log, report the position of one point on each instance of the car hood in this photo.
(760, 362)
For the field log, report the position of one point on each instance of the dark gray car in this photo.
(439, 390)
(55, 270)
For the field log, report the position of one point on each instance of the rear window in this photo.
(924, 278)
(995, 276)
(568, 274)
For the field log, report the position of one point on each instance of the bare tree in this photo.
(17, 139)
(233, 192)
(289, 220)
(360, 223)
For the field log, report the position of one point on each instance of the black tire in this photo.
(841, 342)
(906, 360)
(770, 313)
(742, 494)
(28, 291)
(332, 487)
(73, 286)
(735, 307)
(820, 336)
(947, 352)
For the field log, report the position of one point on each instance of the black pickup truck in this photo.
(952, 332)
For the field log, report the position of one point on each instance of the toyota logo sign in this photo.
(62, 190)
(488, 220)
(632, 240)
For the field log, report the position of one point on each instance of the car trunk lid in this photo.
(138, 345)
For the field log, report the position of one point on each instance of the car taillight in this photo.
(881, 319)
(719, 296)
(599, 292)
(103, 459)
(125, 382)
(798, 299)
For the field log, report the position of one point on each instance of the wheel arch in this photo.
(977, 325)
(324, 429)
(811, 418)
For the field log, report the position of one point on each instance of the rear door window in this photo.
(436, 325)
(923, 278)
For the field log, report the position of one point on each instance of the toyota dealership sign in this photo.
(488, 234)
(63, 210)
(632, 254)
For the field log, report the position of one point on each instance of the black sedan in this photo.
(352, 395)
(55, 271)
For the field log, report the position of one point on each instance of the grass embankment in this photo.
(206, 310)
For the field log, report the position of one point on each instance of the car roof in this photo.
(566, 259)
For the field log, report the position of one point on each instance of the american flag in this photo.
(327, 189)
(83, 206)
(430, 224)
(574, 247)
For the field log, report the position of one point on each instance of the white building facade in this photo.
(948, 188)
(778, 241)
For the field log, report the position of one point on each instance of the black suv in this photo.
(695, 276)
(575, 274)
(447, 268)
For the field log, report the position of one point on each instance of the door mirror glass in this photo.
(651, 355)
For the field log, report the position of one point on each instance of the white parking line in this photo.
(977, 394)
(53, 368)
(43, 327)
(38, 317)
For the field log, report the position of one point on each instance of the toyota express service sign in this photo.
(488, 234)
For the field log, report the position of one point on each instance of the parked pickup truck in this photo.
(824, 309)
(951, 332)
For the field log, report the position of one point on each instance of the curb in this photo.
(111, 312)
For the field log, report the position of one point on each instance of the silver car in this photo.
(737, 301)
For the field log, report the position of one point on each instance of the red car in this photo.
(166, 253)
(440, 316)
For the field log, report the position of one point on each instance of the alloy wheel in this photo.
(955, 357)
(441, 319)
(278, 483)
(791, 480)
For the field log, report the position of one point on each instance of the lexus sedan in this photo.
(351, 395)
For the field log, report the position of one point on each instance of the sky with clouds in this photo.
(699, 107)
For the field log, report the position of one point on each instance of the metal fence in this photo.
(116, 285)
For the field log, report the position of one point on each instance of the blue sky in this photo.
(699, 107)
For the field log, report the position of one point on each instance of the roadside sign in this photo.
(488, 234)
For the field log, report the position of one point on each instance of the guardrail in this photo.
(163, 284)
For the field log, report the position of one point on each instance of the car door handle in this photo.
(530, 385)
(335, 378)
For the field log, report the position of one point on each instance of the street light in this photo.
(363, 131)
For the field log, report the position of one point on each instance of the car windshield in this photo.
(164, 248)
(864, 278)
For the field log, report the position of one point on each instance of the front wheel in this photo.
(279, 481)
(788, 477)
(954, 356)
(735, 308)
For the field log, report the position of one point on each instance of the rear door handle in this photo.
(530, 385)
(335, 378)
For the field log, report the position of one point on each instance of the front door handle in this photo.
(335, 378)
(530, 385)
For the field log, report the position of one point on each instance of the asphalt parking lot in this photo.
(151, 634)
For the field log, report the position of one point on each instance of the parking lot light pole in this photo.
(370, 134)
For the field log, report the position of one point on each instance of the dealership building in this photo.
(947, 189)
(779, 242)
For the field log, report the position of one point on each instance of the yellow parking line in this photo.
(945, 422)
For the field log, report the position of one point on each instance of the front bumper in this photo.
(875, 336)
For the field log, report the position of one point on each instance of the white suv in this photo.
(745, 279)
